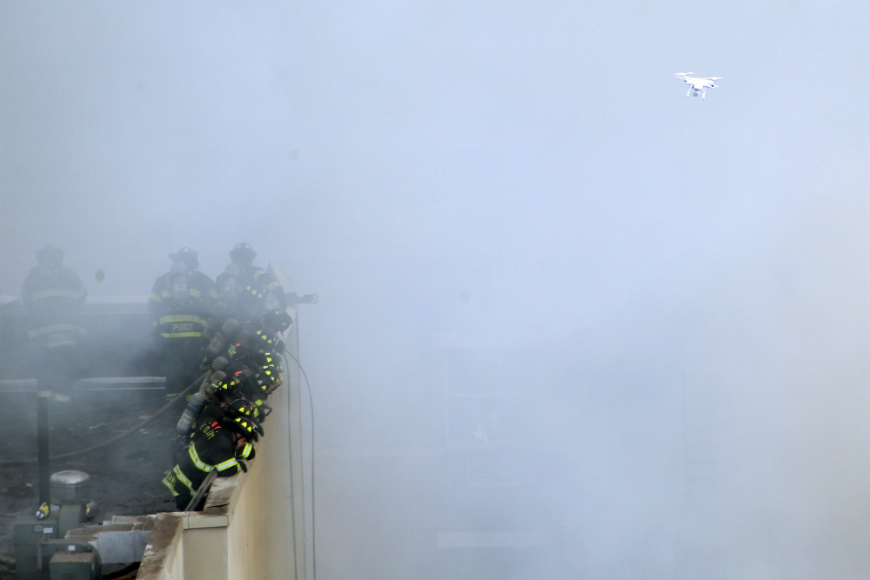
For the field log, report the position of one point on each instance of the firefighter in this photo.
(249, 289)
(257, 347)
(254, 342)
(221, 440)
(180, 303)
(54, 296)
(252, 383)
(260, 334)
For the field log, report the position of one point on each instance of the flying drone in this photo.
(698, 85)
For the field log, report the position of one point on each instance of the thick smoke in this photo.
(663, 300)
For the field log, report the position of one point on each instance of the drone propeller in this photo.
(682, 74)
(715, 78)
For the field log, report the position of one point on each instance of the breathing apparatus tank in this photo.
(179, 278)
(216, 316)
(200, 398)
(219, 342)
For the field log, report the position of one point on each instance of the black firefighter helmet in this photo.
(277, 320)
(243, 252)
(239, 416)
(186, 256)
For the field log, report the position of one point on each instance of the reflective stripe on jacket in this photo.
(211, 448)
(180, 325)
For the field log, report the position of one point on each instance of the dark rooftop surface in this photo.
(125, 476)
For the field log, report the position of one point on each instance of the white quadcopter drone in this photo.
(698, 85)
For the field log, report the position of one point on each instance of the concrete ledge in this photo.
(93, 305)
(224, 492)
(163, 553)
(167, 535)
(214, 544)
(90, 384)
(196, 522)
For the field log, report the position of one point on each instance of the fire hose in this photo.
(181, 397)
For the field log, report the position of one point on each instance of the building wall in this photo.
(260, 532)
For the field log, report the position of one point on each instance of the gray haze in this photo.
(530, 173)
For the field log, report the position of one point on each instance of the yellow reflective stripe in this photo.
(195, 292)
(246, 451)
(179, 334)
(273, 285)
(57, 293)
(199, 462)
(227, 464)
(170, 486)
(155, 297)
(181, 318)
(166, 293)
(212, 294)
(183, 478)
(56, 328)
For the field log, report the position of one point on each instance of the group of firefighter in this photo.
(219, 345)
(221, 352)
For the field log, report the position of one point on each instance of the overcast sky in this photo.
(530, 169)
